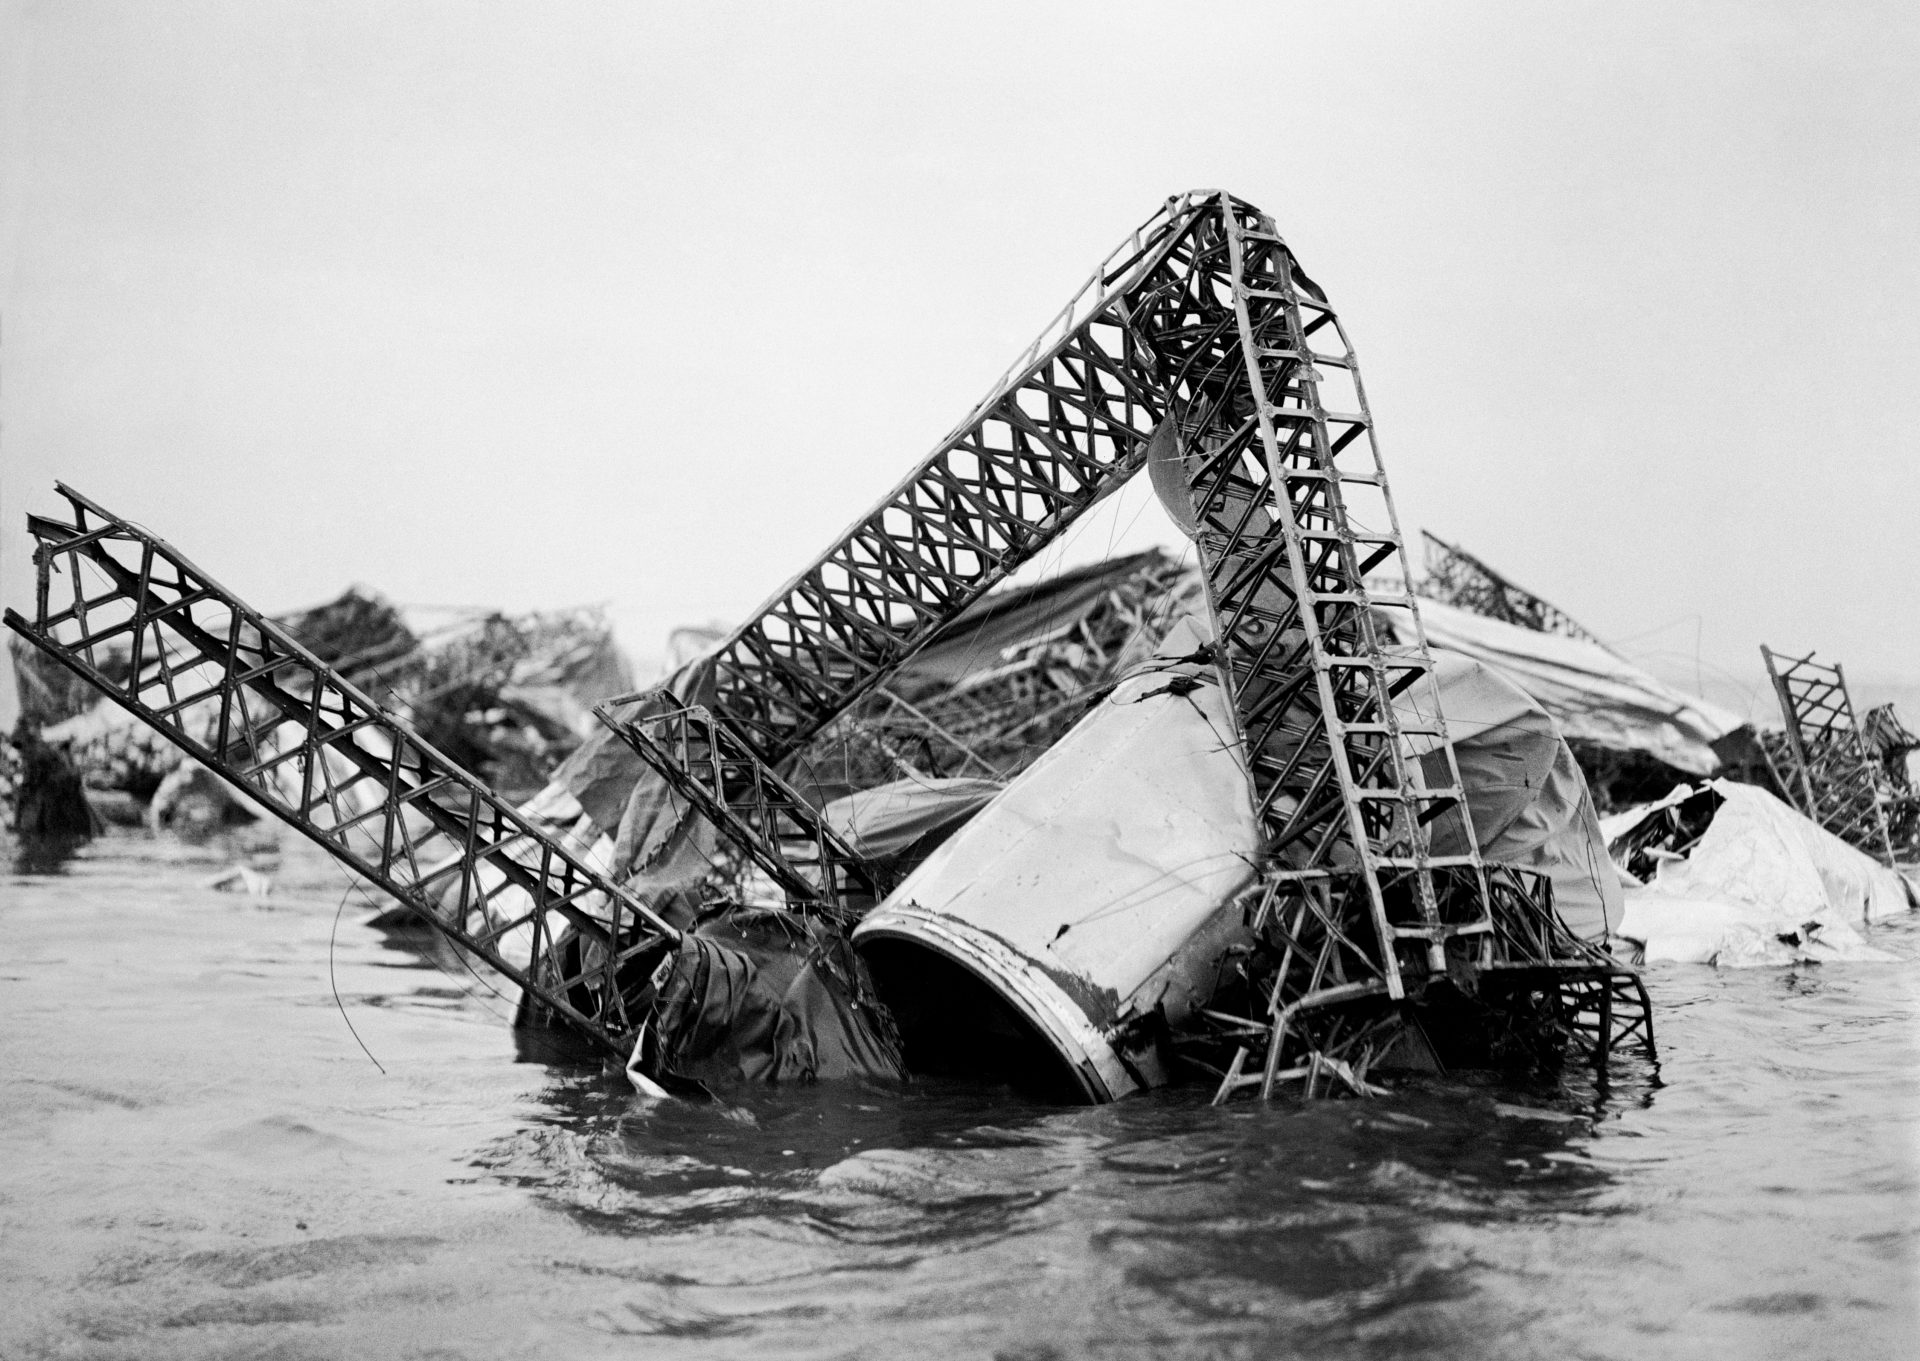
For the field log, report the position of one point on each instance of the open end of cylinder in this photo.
(955, 1025)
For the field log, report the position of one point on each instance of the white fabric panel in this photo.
(1592, 694)
(1761, 871)
(890, 818)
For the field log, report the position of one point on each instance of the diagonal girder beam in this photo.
(1202, 331)
(326, 759)
(707, 764)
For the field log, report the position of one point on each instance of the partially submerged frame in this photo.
(1822, 759)
(1199, 350)
(237, 692)
(1202, 351)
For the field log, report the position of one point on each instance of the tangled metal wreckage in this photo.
(1134, 824)
(506, 696)
(1850, 777)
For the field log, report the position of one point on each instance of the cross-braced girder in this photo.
(238, 693)
(1822, 760)
(1538, 992)
(1199, 347)
(1202, 347)
(707, 764)
(1204, 328)
(1889, 743)
(1457, 577)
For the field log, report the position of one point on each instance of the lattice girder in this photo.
(239, 694)
(1056, 435)
(1458, 578)
(708, 765)
(1824, 761)
(1202, 327)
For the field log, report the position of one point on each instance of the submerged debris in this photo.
(47, 797)
(1231, 815)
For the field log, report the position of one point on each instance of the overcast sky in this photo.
(541, 304)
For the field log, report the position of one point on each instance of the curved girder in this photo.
(1202, 339)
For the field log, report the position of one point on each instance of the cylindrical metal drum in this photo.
(1092, 898)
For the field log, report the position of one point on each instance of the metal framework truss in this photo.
(1456, 577)
(1823, 759)
(1537, 992)
(1200, 337)
(238, 693)
(1890, 742)
(706, 763)
(998, 719)
(1199, 347)
(1202, 347)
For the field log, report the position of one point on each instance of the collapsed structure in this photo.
(1850, 777)
(1634, 735)
(507, 696)
(708, 883)
(1723, 872)
(1784, 854)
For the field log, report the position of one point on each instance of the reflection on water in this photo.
(198, 1161)
(1312, 1220)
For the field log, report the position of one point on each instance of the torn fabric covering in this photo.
(1530, 803)
(902, 821)
(625, 798)
(599, 775)
(1753, 883)
(1592, 694)
(764, 996)
(608, 779)
(980, 636)
(1138, 825)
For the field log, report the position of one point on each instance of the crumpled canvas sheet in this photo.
(627, 801)
(761, 996)
(982, 635)
(1764, 885)
(900, 822)
(1592, 694)
(658, 842)
(1530, 803)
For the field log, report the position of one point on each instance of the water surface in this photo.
(198, 1160)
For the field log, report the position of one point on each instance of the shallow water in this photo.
(198, 1160)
